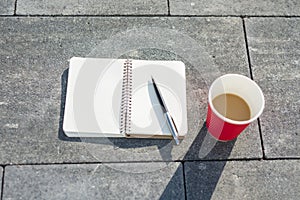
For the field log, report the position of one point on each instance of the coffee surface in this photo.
(232, 106)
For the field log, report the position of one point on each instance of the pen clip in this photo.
(174, 124)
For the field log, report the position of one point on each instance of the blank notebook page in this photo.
(93, 97)
(146, 113)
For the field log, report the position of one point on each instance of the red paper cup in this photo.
(225, 129)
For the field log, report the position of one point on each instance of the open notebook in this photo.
(116, 98)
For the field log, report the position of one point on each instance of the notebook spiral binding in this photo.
(125, 116)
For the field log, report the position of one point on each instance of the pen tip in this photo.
(152, 79)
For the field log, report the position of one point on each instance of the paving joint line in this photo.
(251, 75)
(245, 160)
(152, 15)
(286, 158)
(158, 161)
(184, 180)
(261, 138)
(225, 160)
(169, 11)
(129, 162)
(2, 184)
(15, 7)
(247, 48)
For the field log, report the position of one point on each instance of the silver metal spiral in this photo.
(126, 99)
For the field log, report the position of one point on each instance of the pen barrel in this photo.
(172, 127)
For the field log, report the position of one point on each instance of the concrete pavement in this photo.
(259, 39)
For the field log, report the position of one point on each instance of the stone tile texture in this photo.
(274, 51)
(92, 7)
(95, 181)
(42, 163)
(235, 7)
(34, 57)
(278, 179)
(7, 7)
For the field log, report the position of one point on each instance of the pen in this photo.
(169, 118)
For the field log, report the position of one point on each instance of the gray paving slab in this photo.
(274, 52)
(7, 7)
(235, 7)
(34, 57)
(102, 181)
(92, 7)
(277, 179)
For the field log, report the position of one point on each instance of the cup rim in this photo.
(230, 120)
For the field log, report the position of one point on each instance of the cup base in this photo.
(219, 139)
